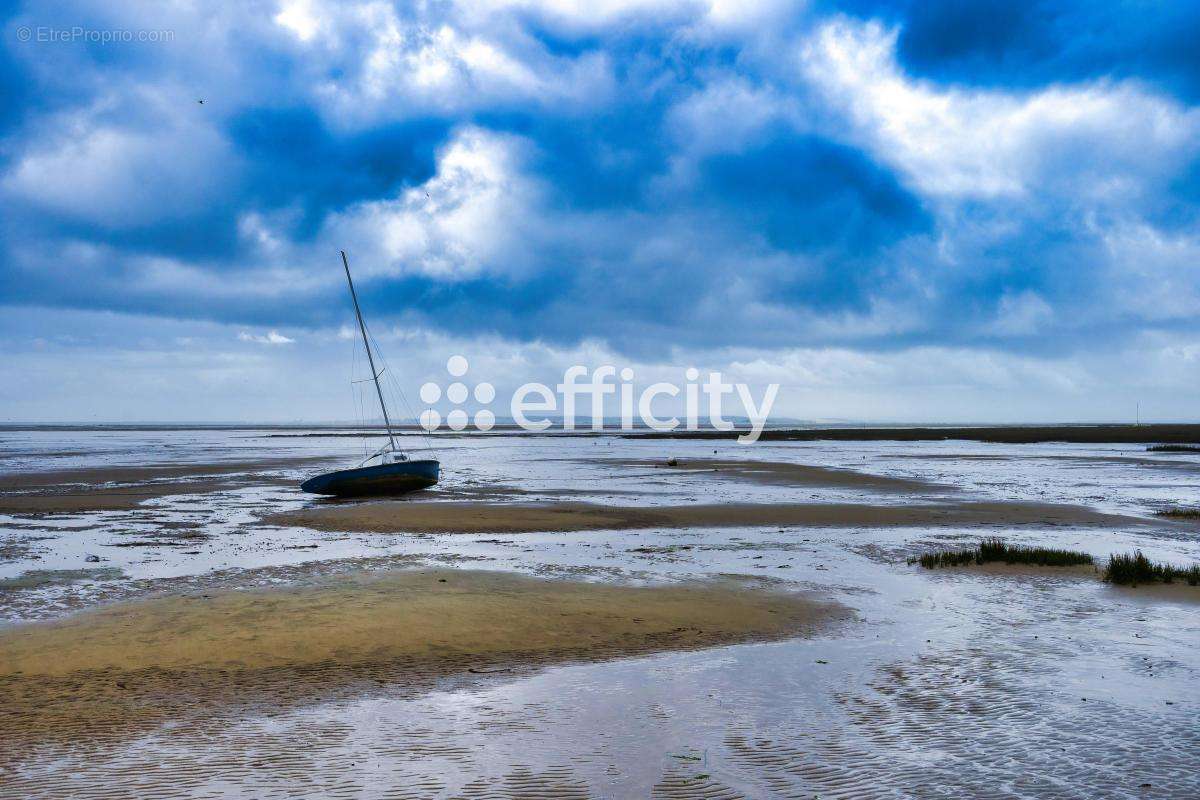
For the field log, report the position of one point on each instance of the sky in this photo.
(897, 211)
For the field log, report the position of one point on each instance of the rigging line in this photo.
(397, 392)
(353, 371)
(394, 384)
(379, 357)
(426, 439)
(383, 369)
(363, 329)
(360, 393)
(355, 394)
(360, 400)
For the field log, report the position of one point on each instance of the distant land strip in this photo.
(1081, 433)
(1001, 434)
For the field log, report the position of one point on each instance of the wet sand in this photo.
(124, 498)
(261, 661)
(100, 672)
(455, 517)
(125, 488)
(1178, 591)
(1080, 571)
(782, 473)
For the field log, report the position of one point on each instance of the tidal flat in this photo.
(569, 616)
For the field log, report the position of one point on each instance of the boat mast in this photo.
(371, 361)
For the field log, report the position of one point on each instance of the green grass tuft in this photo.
(990, 550)
(1127, 569)
(1130, 569)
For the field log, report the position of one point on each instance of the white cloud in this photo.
(724, 116)
(599, 15)
(1152, 275)
(988, 143)
(1021, 314)
(575, 17)
(121, 177)
(301, 17)
(271, 337)
(130, 368)
(469, 218)
(402, 63)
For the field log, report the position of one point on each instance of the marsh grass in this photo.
(1130, 569)
(991, 550)
(1174, 448)
(1179, 513)
(946, 558)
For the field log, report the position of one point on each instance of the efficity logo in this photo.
(456, 393)
(534, 406)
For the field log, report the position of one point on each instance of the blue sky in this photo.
(898, 211)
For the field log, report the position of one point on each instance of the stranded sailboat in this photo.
(388, 470)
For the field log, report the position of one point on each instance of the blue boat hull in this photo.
(398, 478)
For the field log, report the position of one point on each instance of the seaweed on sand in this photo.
(37, 578)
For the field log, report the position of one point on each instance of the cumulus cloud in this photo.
(822, 192)
(409, 61)
(1101, 139)
(89, 167)
(473, 216)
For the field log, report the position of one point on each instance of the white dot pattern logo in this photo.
(457, 394)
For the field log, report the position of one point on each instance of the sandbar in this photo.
(459, 517)
(99, 672)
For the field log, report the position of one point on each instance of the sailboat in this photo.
(388, 470)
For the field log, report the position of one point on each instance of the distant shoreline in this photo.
(1074, 433)
(998, 434)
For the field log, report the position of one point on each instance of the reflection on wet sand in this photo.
(135, 662)
(124, 488)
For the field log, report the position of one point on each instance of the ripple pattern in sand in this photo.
(756, 721)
